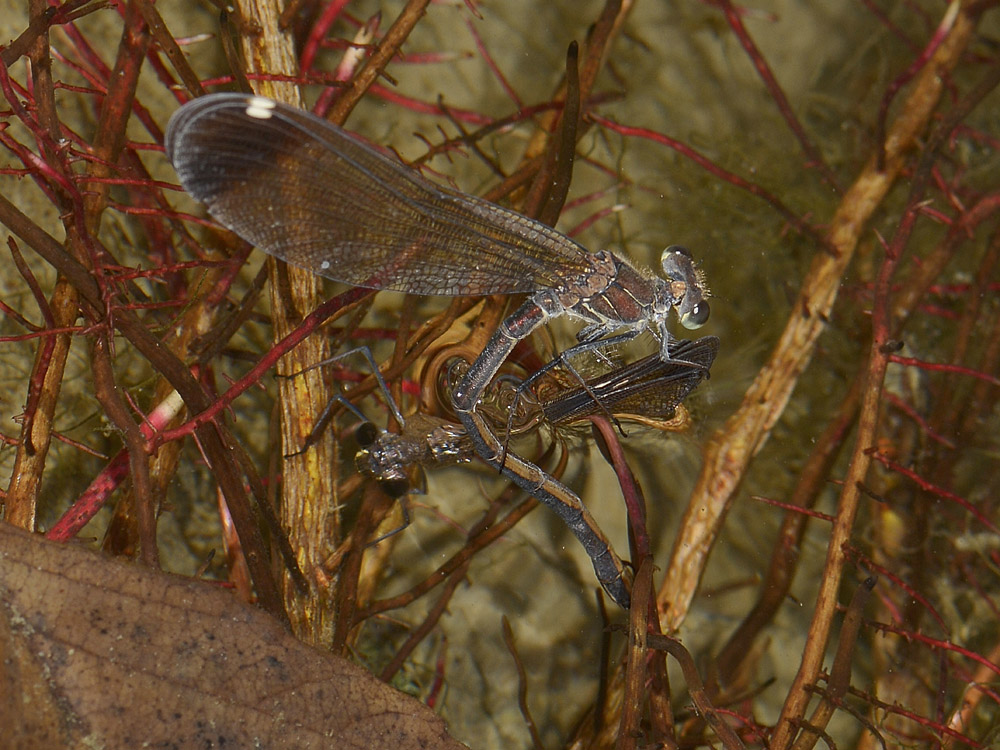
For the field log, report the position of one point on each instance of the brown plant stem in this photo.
(787, 551)
(484, 533)
(840, 675)
(380, 58)
(636, 657)
(731, 449)
(522, 684)
(785, 557)
(107, 392)
(308, 487)
(429, 623)
(930, 83)
(166, 42)
(212, 437)
(29, 462)
(730, 740)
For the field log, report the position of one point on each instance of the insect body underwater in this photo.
(318, 197)
(648, 388)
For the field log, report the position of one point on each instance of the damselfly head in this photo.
(371, 461)
(687, 285)
(366, 434)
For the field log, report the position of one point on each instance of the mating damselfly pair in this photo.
(318, 197)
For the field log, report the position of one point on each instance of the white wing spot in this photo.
(260, 107)
(324, 266)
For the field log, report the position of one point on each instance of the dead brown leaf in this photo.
(100, 653)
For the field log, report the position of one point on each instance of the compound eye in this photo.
(678, 264)
(697, 316)
(366, 434)
(394, 488)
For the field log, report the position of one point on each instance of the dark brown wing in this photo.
(312, 194)
(650, 387)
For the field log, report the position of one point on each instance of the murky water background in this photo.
(677, 70)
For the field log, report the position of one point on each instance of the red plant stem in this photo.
(593, 219)
(795, 509)
(714, 169)
(70, 197)
(318, 31)
(311, 322)
(348, 64)
(910, 73)
(936, 728)
(936, 490)
(907, 589)
(40, 24)
(887, 22)
(925, 426)
(213, 439)
(41, 168)
(100, 489)
(91, 500)
(882, 319)
(375, 64)
(767, 76)
(492, 64)
(937, 643)
(635, 503)
(416, 105)
(437, 687)
(935, 367)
